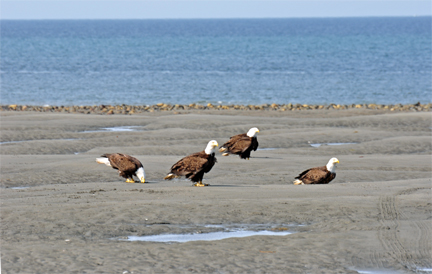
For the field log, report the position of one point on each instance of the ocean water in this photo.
(225, 61)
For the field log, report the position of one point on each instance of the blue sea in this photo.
(223, 61)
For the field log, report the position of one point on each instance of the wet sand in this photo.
(61, 212)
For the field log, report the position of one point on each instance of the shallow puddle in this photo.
(22, 141)
(14, 142)
(381, 271)
(115, 129)
(212, 236)
(425, 270)
(375, 272)
(331, 144)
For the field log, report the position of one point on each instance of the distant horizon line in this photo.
(216, 18)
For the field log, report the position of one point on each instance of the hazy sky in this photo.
(146, 9)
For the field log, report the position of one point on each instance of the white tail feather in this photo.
(298, 182)
(140, 173)
(169, 176)
(103, 161)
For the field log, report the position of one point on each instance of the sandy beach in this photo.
(61, 212)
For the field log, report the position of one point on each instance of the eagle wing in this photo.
(233, 140)
(316, 175)
(242, 144)
(239, 143)
(191, 164)
(124, 162)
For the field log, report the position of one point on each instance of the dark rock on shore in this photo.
(132, 109)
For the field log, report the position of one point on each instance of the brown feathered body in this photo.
(316, 175)
(194, 166)
(241, 145)
(125, 164)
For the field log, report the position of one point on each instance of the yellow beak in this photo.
(143, 180)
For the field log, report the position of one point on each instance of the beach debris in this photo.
(279, 229)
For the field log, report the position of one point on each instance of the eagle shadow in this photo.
(267, 157)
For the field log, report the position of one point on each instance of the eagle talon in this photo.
(130, 181)
(201, 184)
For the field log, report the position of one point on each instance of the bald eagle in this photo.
(126, 165)
(241, 144)
(318, 175)
(195, 165)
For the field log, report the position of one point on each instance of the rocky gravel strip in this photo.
(133, 109)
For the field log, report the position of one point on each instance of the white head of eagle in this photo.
(331, 165)
(252, 132)
(211, 147)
